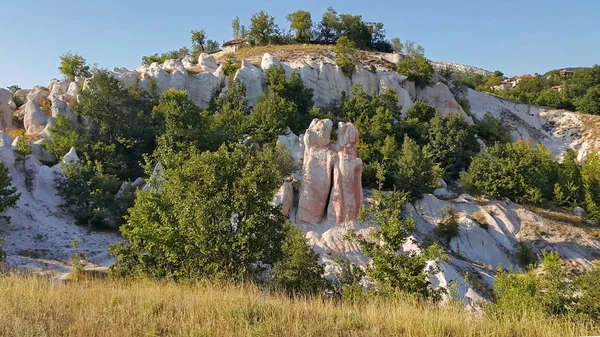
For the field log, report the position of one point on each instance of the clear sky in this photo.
(515, 36)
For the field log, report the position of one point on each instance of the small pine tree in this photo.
(8, 194)
(346, 55)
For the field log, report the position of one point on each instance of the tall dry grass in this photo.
(32, 306)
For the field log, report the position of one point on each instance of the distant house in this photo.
(506, 85)
(523, 77)
(566, 73)
(230, 46)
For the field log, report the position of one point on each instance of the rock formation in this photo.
(6, 110)
(331, 175)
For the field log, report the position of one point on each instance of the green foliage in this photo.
(513, 170)
(8, 194)
(78, 261)
(406, 272)
(491, 131)
(448, 226)
(452, 143)
(121, 116)
(548, 290)
(329, 26)
(417, 68)
(236, 28)
(161, 58)
(346, 55)
(73, 65)
(397, 45)
(299, 271)
(590, 177)
(301, 23)
(232, 109)
(271, 116)
(347, 281)
(13, 88)
(263, 29)
(415, 170)
(91, 195)
(590, 102)
(568, 190)
(210, 217)
(64, 137)
(23, 146)
(181, 124)
(524, 254)
(231, 65)
(2, 252)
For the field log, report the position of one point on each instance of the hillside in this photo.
(39, 236)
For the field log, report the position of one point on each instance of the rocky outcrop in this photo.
(34, 118)
(317, 172)
(331, 175)
(440, 97)
(254, 80)
(285, 198)
(38, 94)
(6, 111)
(346, 194)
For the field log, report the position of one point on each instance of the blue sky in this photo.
(515, 36)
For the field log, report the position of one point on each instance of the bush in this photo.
(479, 217)
(8, 194)
(299, 271)
(515, 171)
(210, 217)
(490, 130)
(448, 226)
(524, 254)
(23, 146)
(346, 55)
(418, 69)
(64, 137)
(271, 116)
(452, 143)
(590, 176)
(73, 65)
(415, 171)
(390, 270)
(590, 102)
(91, 195)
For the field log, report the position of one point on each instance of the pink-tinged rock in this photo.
(317, 172)
(440, 97)
(285, 197)
(346, 194)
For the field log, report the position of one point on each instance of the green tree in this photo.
(356, 30)
(346, 55)
(329, 26)
(452, 143)
(389, 269)
(301, 23)
(416, 171)
(235, 26)
(412, 49)
(91, 195)
(491, 131)
(262, 28)
(568, 189)
(13, 88)
(73, 65)
(397, 45)
(120, 116)
(590, 177)
(271, 116)
(299, 271)
(64, 137)
(590, 102)
(8, 194)
(513, 170)
(233, 110)
(211, 217)
(418, 69)
(198, 40)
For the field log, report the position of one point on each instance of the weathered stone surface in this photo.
(38, 94)
(5, 109)
(254, 80)
(71, 156)
(295, 144)
(346, 194)
(207, 62)
(440, 97)
(579, 211)
(59, 87)
(20, 96)
(394, 82)
(317, 172)
(34, 119)
(285, 197)
(268, 61)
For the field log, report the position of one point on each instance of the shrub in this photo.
(346, 55)
(448, 226)
(418, 69)
(210, 217)
(513, 170)
(271, 116)
(299, 271)
(73, 65)
(8, 194)
(390, 270)
(23, 146)
(416, 172)
(481, 220)
(64, 137)
(491, 131)
(524, 254)
(590, 176)
(231, 65)
(451, 143)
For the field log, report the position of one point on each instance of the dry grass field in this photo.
(33, 306)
